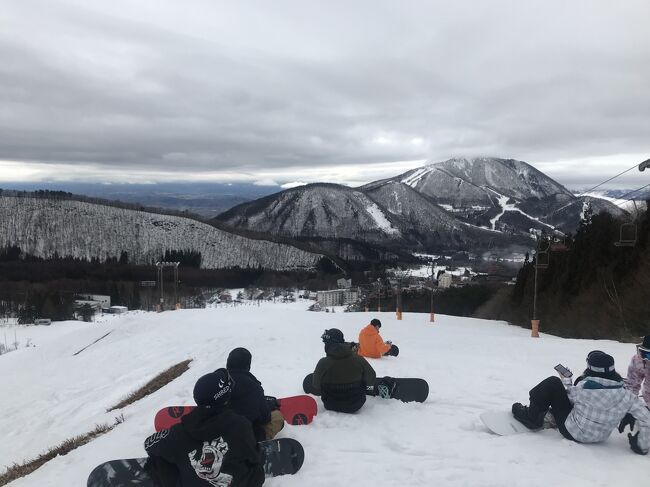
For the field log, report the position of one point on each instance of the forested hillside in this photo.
(49, 227)
(593, 289)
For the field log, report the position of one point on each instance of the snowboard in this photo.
(503, 423)
(402, 389)
(283, 456)
(295, 409)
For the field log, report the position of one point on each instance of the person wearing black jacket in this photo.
(212, 446)
(248, 397)
(342, 375)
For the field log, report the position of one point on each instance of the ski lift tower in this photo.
(432, 316)
(541, 262)
(161, 266)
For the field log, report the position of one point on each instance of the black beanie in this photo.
(213, 389)
(375, 322)
(600, 362)
(333, 335)
(239, 359)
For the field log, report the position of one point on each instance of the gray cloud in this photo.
(227, 87)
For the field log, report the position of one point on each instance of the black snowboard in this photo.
(282, 456)
(406, 390)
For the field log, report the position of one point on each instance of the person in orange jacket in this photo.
(372, 345)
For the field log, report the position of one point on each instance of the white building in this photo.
(337, 297)
(444, 280)
(344, 283)
(103, 300)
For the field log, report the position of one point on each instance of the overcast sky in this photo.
(339, 91)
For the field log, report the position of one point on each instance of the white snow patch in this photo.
(415, 178)
(381, 220)
(505, 206)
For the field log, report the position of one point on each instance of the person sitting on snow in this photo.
(212, 445)
(638, 372)
(372, 345)
(248, 397)
(341, 377)
(590, 409)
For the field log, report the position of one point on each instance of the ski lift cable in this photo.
(591, 189)
(622, 200)
(613, 177)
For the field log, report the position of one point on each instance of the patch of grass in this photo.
(17, 471)
(154, 384)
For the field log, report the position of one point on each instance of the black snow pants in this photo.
(550, 393)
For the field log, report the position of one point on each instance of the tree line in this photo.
(593, 289)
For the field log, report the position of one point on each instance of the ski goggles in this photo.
(644, 353)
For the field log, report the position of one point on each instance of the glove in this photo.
(634, 443)
(628, 420)
(272, 402)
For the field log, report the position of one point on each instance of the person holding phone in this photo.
(591, 408)
(638, 372)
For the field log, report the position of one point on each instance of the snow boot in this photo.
(532, 417)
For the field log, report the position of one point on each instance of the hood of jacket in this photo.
(369, 331)
(204, 423)
(338, 351)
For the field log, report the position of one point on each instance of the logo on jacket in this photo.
(207, 465)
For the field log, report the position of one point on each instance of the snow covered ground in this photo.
(48, 395)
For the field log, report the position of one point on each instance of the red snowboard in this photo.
(295, 409)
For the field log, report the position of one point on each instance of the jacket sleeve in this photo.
(635, 375)
(264, 409)
(642, 415)
(318, 376)
(245, 455)
(380, 346)
(160, 445)
(369, 375)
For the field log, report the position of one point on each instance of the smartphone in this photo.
(563, 371)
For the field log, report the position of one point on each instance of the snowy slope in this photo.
(69, 228)
(47, 395)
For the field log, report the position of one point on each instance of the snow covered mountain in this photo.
(390, 215)
(330, 217)
(427, 223)
(44, 227)
(316, 210)
(502, 194)
(456, 204)
(478, 181)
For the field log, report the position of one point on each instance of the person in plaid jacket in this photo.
(590, 409)
(638, 372)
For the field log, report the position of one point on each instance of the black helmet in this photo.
(333, 335)
(375, 322)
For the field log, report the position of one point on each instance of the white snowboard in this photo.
(503, 423)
